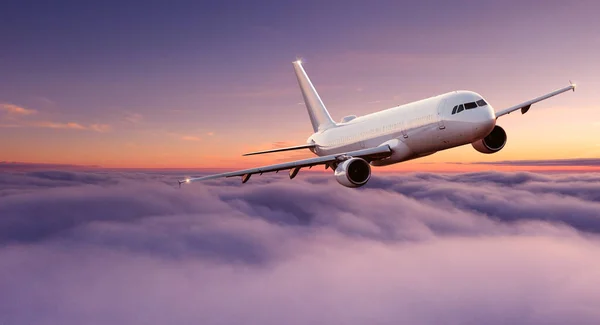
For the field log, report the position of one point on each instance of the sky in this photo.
(194, 84)
(413, 248)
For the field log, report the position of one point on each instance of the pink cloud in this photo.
(190, 138)
(134, 118)
(131, 248)
(59, 125)
(100, 127)
(16, 110)
(69, 125)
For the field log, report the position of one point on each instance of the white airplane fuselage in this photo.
(412, 130)
(394, 135)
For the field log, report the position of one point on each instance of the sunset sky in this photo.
(198, 83)
(105, 105)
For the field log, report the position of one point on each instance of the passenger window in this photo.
(470, 105)
(481, 102)
(454, 109)
(460, 109)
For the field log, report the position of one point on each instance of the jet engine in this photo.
(493, 142)
(354, 172)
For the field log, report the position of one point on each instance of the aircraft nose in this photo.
(491, 112)
(487, 121)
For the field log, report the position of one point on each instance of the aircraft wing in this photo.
(294, 166)
(524, 107)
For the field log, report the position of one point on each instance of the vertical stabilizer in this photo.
(319, 116)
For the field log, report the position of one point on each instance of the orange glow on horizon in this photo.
(397, 168)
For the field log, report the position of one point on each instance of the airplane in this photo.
(418, 129)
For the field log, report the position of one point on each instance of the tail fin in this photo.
(319, 116)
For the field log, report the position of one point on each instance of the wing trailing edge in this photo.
(295, 166)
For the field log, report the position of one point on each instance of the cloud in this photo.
(70, 126)
(12, 109)
(57, 125)
(587, 162)
(134, 118)
(100, 127)
(45, 100)
(190, 138)
(131, 248)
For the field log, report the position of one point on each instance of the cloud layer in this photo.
(586, 162)
(131, 248)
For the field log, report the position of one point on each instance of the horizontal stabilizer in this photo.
(304, 146)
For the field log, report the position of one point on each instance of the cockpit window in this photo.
(470, 105)
(459, 108)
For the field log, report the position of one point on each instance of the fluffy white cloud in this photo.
(131, 248)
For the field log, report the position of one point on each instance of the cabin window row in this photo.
(471, 105)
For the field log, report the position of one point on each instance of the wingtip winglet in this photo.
(573, 86)
(181, 181)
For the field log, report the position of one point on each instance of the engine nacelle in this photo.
(493, 142)
(354, 172)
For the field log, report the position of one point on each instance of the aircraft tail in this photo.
(319, 116)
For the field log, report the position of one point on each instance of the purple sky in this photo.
(195, 84)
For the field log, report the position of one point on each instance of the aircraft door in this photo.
(440, 114)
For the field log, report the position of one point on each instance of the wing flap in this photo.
(367, 154)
